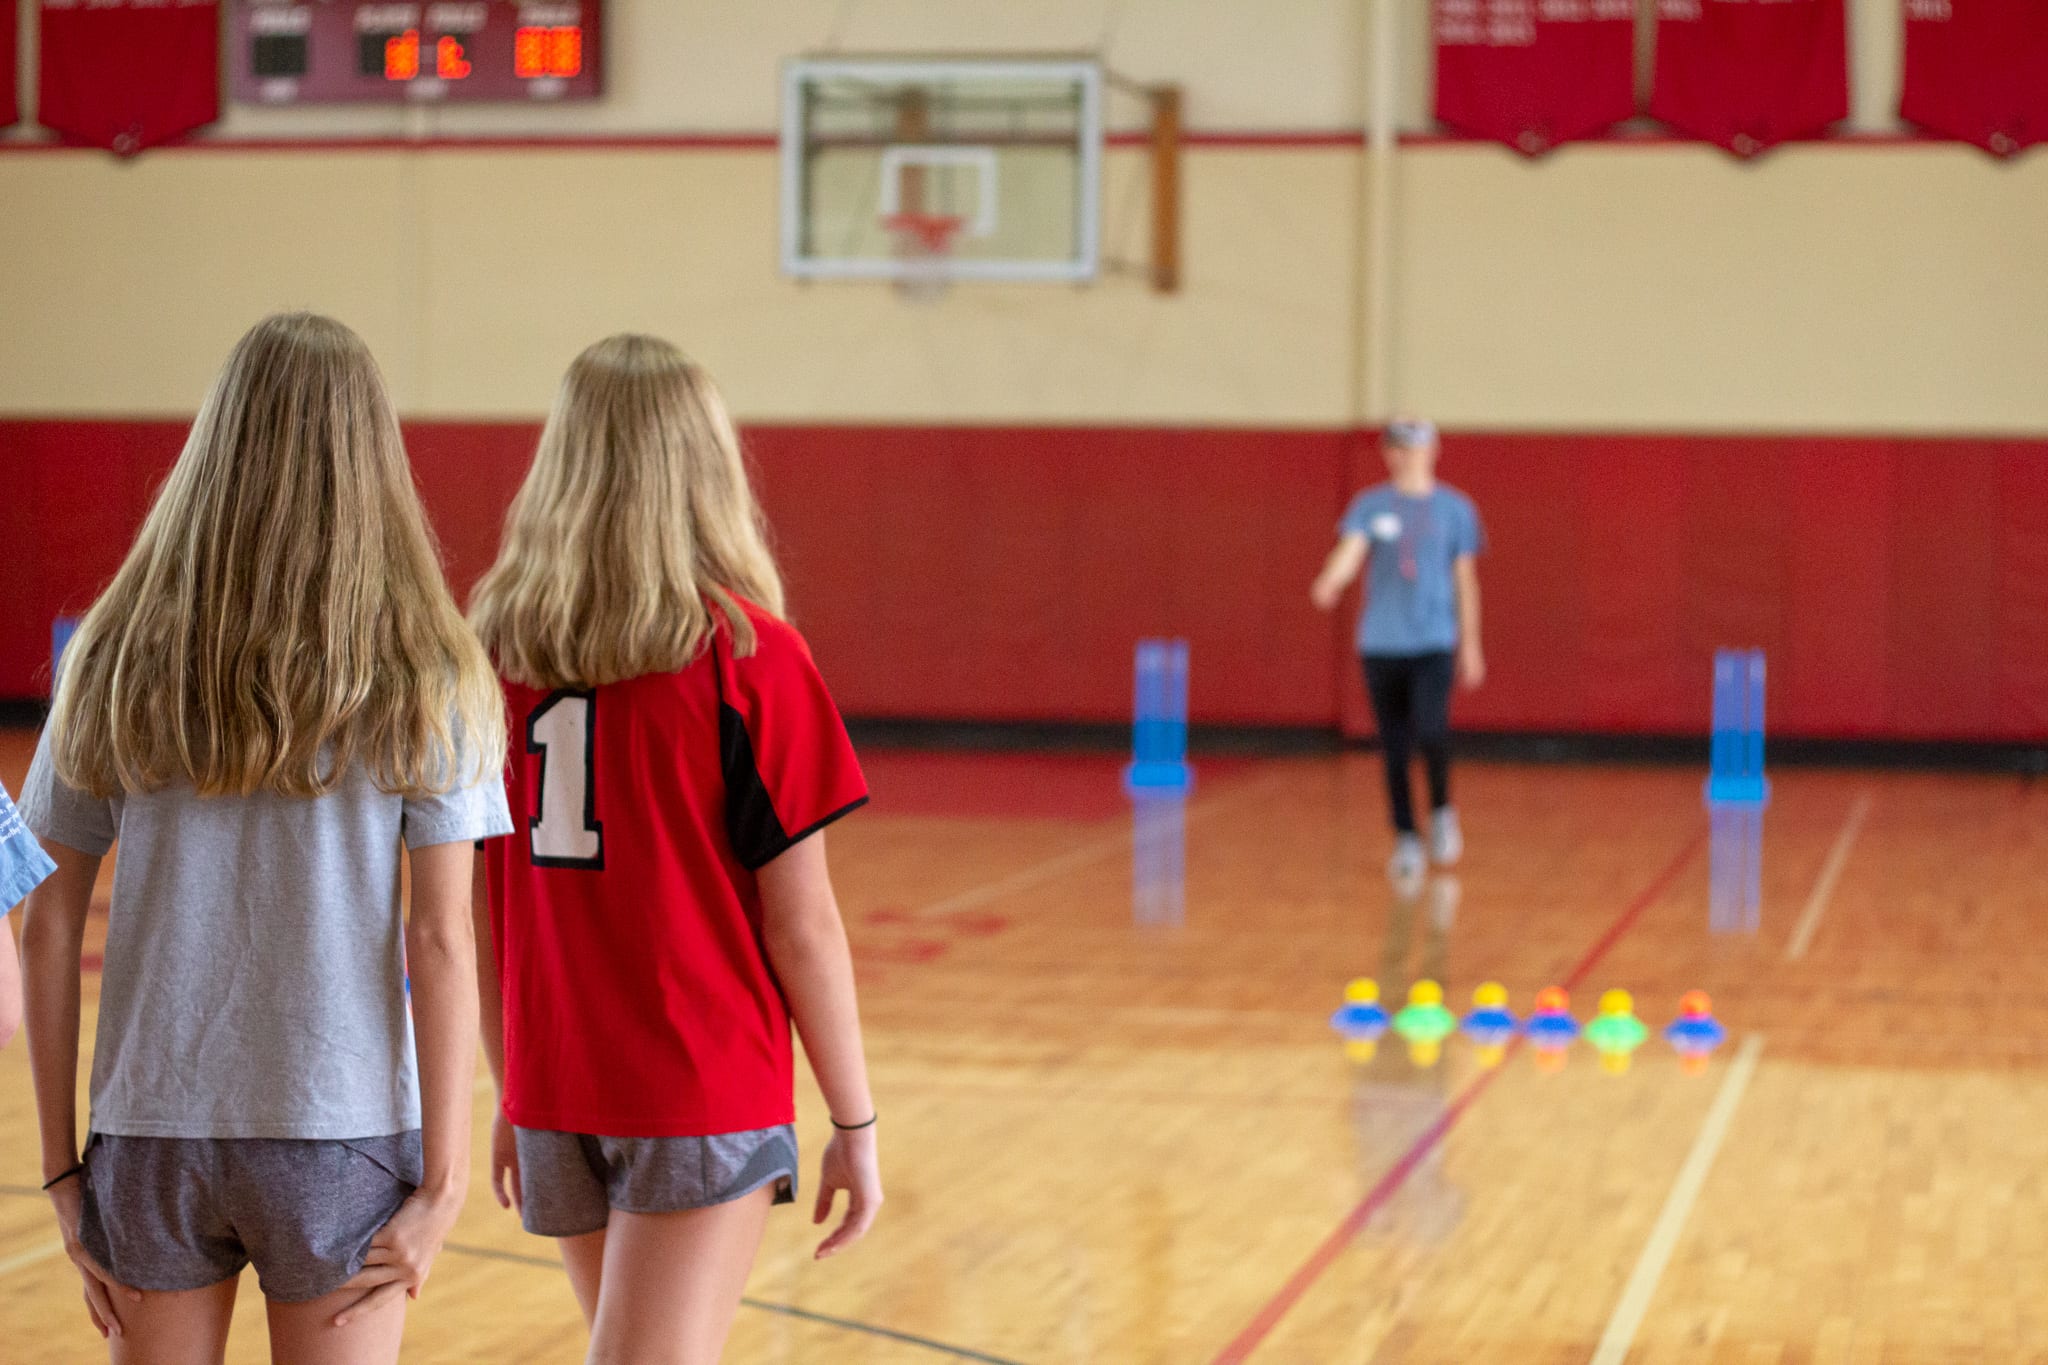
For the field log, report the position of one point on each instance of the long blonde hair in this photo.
(635, 518)
(282, 613)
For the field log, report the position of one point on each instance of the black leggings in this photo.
(1411, 698)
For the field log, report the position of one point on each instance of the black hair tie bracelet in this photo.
(856, 1127)
(55, 1181)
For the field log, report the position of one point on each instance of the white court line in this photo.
(1087, 853)
(1685, 1191)
(1824, 887)
(33, 1256)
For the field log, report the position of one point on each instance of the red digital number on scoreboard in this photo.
(450, 64)
(402, 56)
(544, 52)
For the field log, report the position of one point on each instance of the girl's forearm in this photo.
(806, 941)
(444, 1008)
(815, 966)
(490, 994)
(53, 934)
(441, 956)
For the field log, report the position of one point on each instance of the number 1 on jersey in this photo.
(565, 832)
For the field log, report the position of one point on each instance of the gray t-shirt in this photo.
(254, 984)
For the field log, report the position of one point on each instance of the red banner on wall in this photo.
(10, 30)
(1748, 74)
(1977, 71)
(1535, 73)
(128, 74)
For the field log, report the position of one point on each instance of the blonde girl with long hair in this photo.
(275, 696)
(665, 911)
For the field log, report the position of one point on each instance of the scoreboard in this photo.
(447, 51)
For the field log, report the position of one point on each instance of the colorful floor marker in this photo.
(1491, 1025)
(1362, 1020)
(1696, 1033)
(1551, 1028)
(1615, 1032)
(1424, 1023)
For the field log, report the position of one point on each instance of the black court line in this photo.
(784, 1309)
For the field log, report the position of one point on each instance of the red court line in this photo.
(1333, 1246)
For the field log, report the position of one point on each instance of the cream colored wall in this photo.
(1820, 288)
(1824, 288)
(477, 275)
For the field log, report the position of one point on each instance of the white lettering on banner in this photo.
(387, 18)
(129, 4)
(551, 16)
(281, 19)
(1930, 11)
(1683, 11)
(1511, 23)
(457, 18)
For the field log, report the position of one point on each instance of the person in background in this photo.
(274, 700)
(1418, 542)
(23, 866)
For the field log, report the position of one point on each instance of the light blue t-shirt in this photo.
(1411, 595)
(23, 864)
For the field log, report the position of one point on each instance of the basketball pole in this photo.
(1376, 342)
(1166, 142)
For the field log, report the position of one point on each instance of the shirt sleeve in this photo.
(790, 768)
(1471, 532)
(23, 864)
(1356, 517)
(463, 815)
(58, 813)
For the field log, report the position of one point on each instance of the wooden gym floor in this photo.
(1120, 1142)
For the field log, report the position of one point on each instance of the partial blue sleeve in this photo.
(1356, 516)
(1471, 531)
(23, 864)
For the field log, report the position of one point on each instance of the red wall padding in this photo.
(1901, 586)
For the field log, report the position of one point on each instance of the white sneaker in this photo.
(1408, 864)
(1446, 840)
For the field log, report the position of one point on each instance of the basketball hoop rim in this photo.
(933, 233)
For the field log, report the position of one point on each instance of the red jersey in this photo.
(639, 1001)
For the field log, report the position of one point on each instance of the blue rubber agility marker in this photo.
(1158, 781)
(1159, 736)
(61, 631)
(1737, 792)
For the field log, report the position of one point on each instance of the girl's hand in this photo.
(1324, 595)
(101, 1289)
(505, 1165)
(850, 1163)
(401, 1255)
(1471, 666)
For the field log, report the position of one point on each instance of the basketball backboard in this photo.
(949, 169)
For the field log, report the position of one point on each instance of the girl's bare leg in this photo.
(672, 1282)
(305, 1334)
(185, 1327)
(583, 1258)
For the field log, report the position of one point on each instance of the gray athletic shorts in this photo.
(570, 1182)
(184, 1213)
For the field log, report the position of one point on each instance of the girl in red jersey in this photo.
(664, 911)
